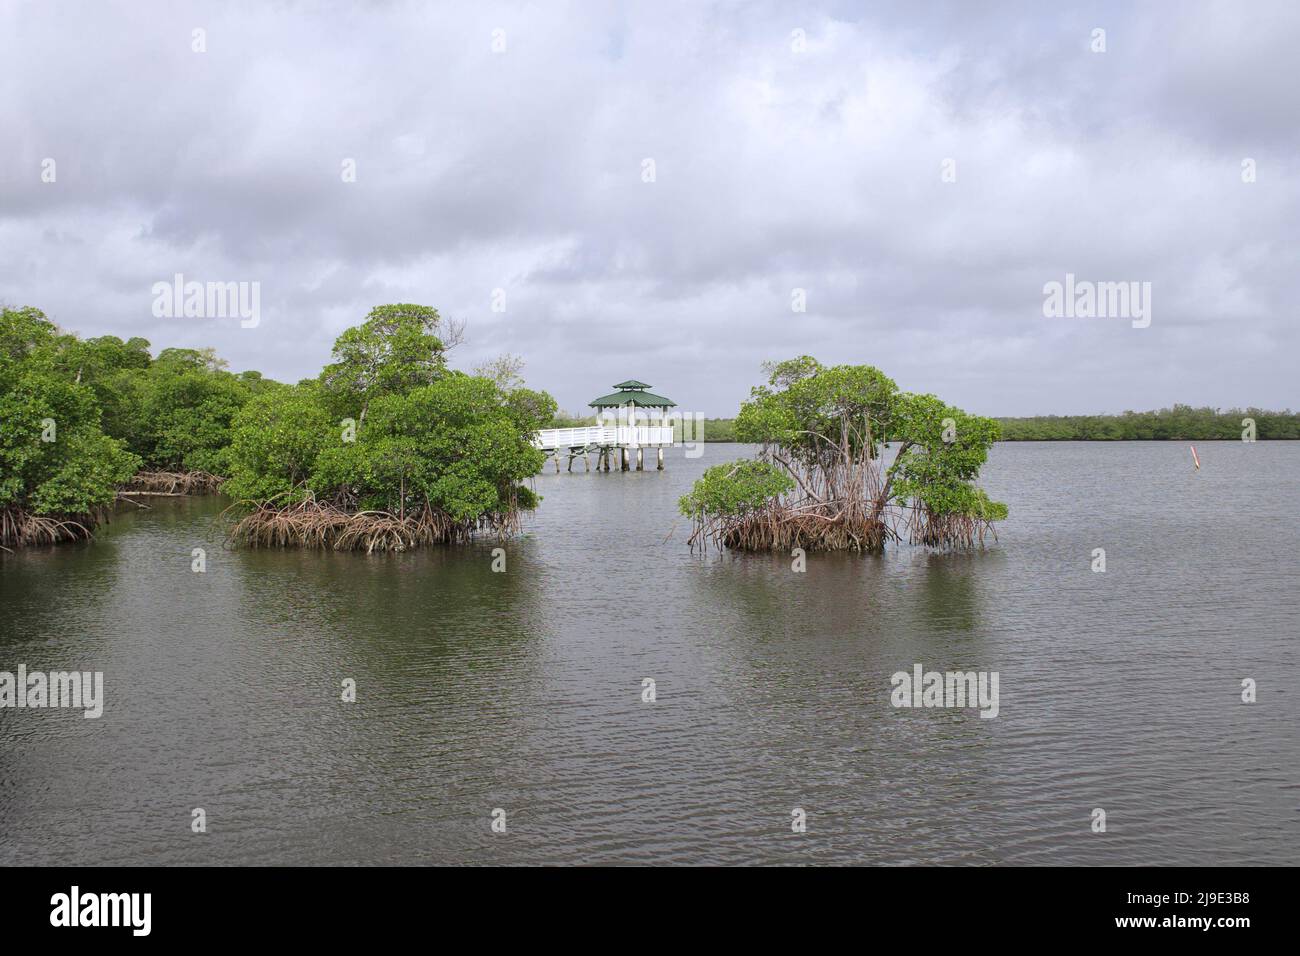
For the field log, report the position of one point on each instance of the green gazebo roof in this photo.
(632, 392)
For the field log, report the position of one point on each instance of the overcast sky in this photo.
(781, 161)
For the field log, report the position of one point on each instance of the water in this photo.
(522, 690)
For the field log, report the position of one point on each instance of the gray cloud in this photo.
(775, 170)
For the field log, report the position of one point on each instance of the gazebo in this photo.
(630, 396)
(617, 427)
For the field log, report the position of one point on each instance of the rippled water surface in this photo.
(522, 690)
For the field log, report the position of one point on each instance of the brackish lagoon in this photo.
(522, 690)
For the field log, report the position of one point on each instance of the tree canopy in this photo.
(386, 433)
(58, 468)
(847, 460)
(397, 348)
(389, 431)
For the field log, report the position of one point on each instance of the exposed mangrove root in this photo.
(171, 483)
(950, 531)
(847, 462)
(842, 499)
(839, 503)
(783, 527)
(316, 524)
(838, 526)
(20, 528)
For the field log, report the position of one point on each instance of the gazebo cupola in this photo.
(632, 395)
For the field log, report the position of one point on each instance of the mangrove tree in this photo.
(387, 449)
(846, 461)
(59, 471)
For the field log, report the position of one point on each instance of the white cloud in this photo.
(775, 170)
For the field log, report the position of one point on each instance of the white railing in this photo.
(604, 435)
(574, 437)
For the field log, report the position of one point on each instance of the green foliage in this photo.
(99, 358)
(397, 348)
(459, 445)
(563, 419)
(276, 440)
(424, 437)
(430, 439)
(734, 489)
(174, 411)
(826, 431)
(941, 451)
(1182, 423)
(784, 374)
(83, 474)
(54, 457)
(719, 430)
(815, 414)
(189, 411)
(1179, 423)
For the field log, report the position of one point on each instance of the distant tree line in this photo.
(720, 429)
(1180, 423)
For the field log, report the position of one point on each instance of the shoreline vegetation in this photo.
(820, 480)
(1179, 423)
(87, 423)
(171, 483)
(387, 449)
(314, 524)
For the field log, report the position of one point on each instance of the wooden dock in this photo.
(604, 441)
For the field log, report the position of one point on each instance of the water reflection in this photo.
(523, 690)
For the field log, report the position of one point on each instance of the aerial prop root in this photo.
(310, 523)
